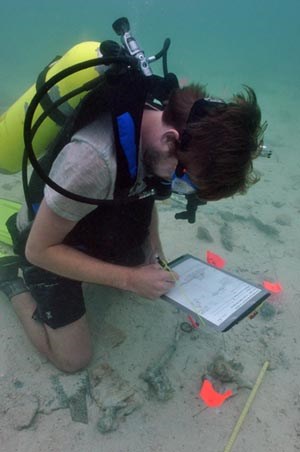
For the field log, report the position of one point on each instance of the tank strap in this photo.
(126, 130)
(58, 116)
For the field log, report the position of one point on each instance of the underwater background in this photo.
(223, 45)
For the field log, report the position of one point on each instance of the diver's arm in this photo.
(45, 249)
(155, 243)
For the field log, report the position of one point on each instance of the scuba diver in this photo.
(90, 214)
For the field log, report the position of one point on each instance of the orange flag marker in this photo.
(210, 396)
(193, 322)
(215, 259)
(275, 287)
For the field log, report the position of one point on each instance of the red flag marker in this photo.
(215, 259)
(272, 287)
(193, 322)
(211, 397)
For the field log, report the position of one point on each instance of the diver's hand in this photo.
(151, 281)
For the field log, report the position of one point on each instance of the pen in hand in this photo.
(164, 265)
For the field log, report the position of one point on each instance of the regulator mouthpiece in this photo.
(121, 26)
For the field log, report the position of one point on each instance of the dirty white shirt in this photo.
(86, 166)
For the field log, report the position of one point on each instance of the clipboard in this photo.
(219, 297)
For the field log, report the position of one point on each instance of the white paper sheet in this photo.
(212, 294)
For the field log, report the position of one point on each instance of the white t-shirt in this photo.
(86, 166)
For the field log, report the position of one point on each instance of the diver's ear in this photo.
(170, 136)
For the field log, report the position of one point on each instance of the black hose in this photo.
(86, 87)
(163, 54)
(30, 131)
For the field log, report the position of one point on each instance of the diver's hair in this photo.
(221, 146)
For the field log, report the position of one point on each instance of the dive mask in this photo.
(181, 182)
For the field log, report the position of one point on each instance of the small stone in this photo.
(108, 422)
(204, 234)
(226, 232)
(227, 216)
(159, 383)
(228, 371)
(278, 204)
(267, 311)
(222, 369)
(263, 227)
(23, 413)
(18, 384)
(283, 220)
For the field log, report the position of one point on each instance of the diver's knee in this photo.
(75, 363)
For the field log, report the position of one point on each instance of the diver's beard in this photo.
(155, 163)
(151, 160)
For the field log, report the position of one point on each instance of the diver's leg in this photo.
(67, 347)
(71, 345)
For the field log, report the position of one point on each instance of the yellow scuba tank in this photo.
(12, 121)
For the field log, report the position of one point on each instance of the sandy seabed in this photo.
(42, 409)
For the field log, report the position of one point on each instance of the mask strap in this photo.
(200, 109)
